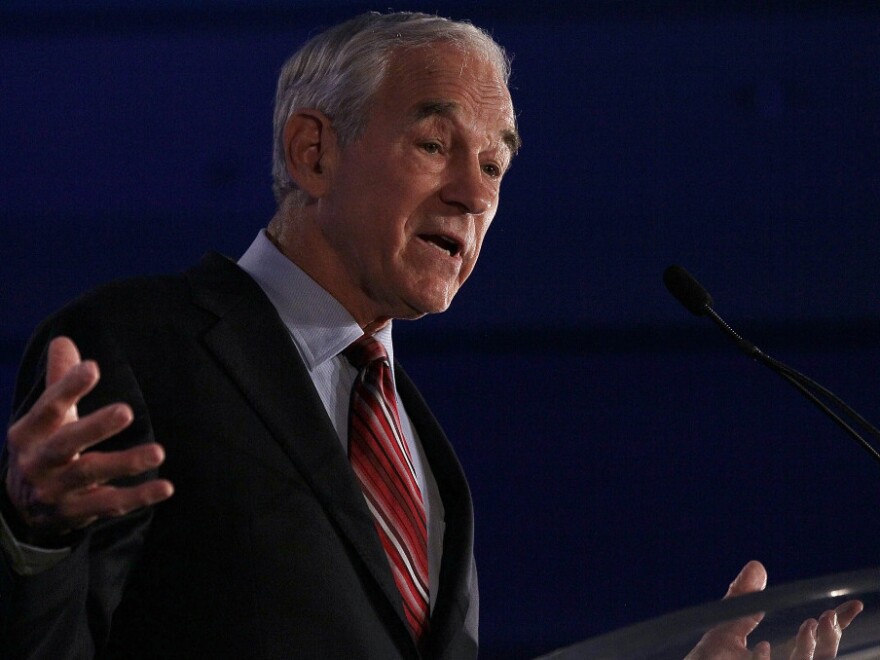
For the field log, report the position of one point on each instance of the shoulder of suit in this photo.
(145, 301)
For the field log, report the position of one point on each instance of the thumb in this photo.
(752, 578)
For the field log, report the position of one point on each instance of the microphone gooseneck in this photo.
(691, 294)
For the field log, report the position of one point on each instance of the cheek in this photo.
(469, 264)
(480, 231)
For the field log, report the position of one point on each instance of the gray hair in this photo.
(338, 71)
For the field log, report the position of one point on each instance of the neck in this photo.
(290, 231)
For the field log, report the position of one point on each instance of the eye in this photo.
(432, 147)
(492, 170)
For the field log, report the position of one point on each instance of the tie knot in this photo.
(364, 351)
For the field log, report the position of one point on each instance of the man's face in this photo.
(412, 198)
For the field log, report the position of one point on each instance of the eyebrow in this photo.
(428, 109)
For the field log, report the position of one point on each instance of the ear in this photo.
(310, 151)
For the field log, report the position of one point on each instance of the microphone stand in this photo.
(805, 385)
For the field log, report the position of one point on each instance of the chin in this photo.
(423, 307)
(428, 296)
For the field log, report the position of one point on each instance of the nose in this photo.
(467, 187)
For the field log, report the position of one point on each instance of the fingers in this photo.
(56, 405)
(847, 612)
(75, 495)
(740, 629)
(62, 357)
(761, 651)
(86, 506)
(753, 577)
(805, 642)
(36, 456)
(53, 483)
(69, 440)
(97, 468)
(815, 640)
(830, 628)
(828, 633)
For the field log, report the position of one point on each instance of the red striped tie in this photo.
(380, 457)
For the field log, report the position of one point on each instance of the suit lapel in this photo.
(457, 591)
(253, 346)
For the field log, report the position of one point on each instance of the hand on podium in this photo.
(817, 639)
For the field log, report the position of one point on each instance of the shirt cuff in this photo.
(27, 559)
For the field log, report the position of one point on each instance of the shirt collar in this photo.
(320, 326)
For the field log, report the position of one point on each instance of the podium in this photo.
(785, 607)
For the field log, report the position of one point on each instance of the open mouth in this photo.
(448, 245)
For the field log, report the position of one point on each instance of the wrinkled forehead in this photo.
(449, 79)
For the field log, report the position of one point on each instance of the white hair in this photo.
(338, 71)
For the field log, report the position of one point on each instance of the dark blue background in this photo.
(625, 460)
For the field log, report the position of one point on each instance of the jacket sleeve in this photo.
(65, 611)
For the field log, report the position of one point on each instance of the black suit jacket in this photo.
(266, 549)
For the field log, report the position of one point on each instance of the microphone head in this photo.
(687, 290)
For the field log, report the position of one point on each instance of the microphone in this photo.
(691, 294)
(687, 290)
(697, 300)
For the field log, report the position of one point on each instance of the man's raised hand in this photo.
(53, 483)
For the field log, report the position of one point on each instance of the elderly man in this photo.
(318, 509)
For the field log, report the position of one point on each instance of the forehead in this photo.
(465, 84)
